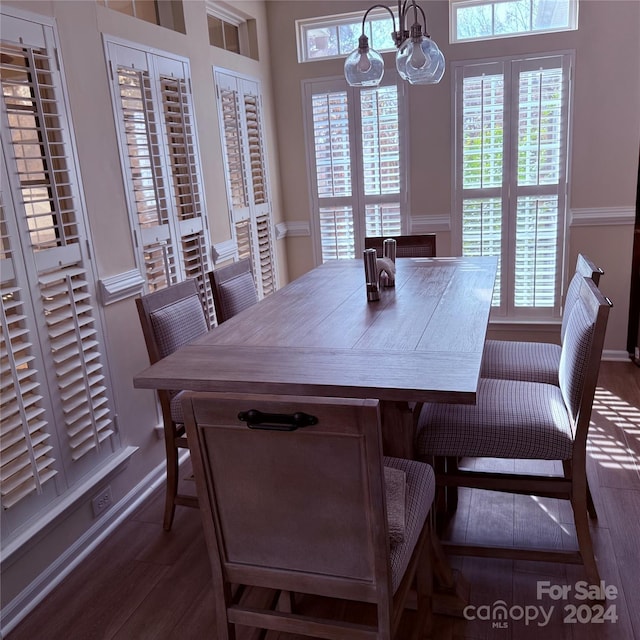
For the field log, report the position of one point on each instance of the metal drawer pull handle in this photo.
(276, 421)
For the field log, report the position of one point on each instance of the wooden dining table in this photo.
(421, 341)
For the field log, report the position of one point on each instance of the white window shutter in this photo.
(55, 382)
(161, 165)
(240, 112)
(511, 156)
(357, 163)
(27, 462)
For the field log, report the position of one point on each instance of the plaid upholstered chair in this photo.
(293, 498)
(234, 289)
(530, 420)
(418, 246)
(536, 361)
(171, 318)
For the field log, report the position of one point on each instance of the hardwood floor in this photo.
(146, 583)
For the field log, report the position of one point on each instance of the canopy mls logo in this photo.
(591, 607)
(500, 615)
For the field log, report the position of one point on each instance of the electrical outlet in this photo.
(102, 501)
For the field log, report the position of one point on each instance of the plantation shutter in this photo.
(240, 113)
(356, 164)
(27, 463)
(511, 181)
(54, 377)
(481, 122)
(158, 145)
(542, 117)
(381, 167)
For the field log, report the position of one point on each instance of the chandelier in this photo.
(418, 59)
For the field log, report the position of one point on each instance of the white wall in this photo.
(606, 134)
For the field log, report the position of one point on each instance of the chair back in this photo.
(419, 246)
(171, 318)
(585, 268)
(300, 510)
(234, 289)
(581, 355)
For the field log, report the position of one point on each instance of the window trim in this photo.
(353, 17)
(453, 22)
(358, 198)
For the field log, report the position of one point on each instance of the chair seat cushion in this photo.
(528, 361)
(395, 490)
(512, 419)
(176, 408)
(420, 490)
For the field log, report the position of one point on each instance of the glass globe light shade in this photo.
(364, 67)
(425, 62)
(401, 59)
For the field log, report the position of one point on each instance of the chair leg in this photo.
(452, 492)
(172, 482)
(585, 544)
(424, 589)
(591, 507)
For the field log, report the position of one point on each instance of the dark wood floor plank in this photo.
(543, 615)
(491, 581)
(623, 508)
(159, 613)
(96, 599)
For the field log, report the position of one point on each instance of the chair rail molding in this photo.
(120, 286)
(226, 250)
(292, 228)
(605, 216)
(429, 224)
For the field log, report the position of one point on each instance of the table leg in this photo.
(398, 429)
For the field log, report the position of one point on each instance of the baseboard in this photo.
(613, 355)
(16, 610)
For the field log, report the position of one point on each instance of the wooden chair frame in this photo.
(297, 554)
(416, 246)
(571, 486)
(174, 433)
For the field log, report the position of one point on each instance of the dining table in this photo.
(421, 341)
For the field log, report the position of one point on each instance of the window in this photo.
(336, 36)
(166, 14)
(512, 124)
(235, 32)
(489, 19)
(240, 115)
(223, 34)
(161, 166)
(357, 161)
(57, 422)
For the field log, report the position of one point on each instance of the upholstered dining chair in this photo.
(529, 420)
(536, 361)
(418, 246)
(234, 289)
(170, 318)
(294, 497)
